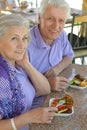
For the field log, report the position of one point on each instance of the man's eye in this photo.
(50, 18)
(14, 38)
(62, 21)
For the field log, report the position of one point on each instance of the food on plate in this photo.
(78, 81)
(83, 83)
(64, 104)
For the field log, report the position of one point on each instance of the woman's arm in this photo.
(39, 115)
(39, 81)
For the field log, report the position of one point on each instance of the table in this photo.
(77, 121)
(30, 13)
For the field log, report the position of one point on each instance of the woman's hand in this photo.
(38, 80)
(42, 115)
(24, 61)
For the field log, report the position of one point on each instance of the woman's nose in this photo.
(20, 43)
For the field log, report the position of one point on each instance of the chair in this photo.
(78, 38)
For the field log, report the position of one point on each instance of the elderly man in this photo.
(50, 51)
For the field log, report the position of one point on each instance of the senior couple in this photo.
(30, 64)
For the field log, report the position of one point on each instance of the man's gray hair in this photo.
(56, 3)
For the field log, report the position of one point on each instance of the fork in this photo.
(73, 73)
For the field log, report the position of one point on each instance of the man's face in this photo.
(52, 23)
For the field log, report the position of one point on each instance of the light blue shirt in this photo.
(43, 56)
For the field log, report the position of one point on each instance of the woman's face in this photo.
(14, 43)
(52, 23)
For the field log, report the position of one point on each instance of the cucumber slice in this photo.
(71, 82)
(77, 82)
(62, 101)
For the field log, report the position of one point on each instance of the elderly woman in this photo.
(20, 82)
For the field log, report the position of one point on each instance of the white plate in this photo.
(77, 87)
(61, 114)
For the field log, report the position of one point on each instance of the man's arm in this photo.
(54, 71)
(56, 82)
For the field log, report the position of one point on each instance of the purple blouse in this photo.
(28, 90)
(16, 91)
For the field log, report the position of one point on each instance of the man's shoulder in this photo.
(34, 32)
(63, 34)
(33, 29)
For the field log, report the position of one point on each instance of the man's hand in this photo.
(57, 69)
(51, 72)
(58, 83)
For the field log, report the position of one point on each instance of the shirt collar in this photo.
(39, 39)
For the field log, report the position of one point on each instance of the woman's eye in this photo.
(25, 39)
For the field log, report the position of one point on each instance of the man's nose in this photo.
(56, 24)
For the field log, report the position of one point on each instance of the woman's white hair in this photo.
(57, 3)
(11, 20)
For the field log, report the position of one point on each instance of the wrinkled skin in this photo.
(42, 115)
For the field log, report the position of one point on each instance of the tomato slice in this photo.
(61, 107)
(54, 103)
